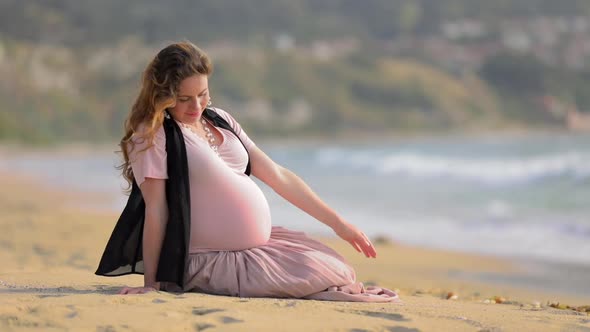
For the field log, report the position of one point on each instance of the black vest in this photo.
(123, 252)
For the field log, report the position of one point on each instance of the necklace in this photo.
(208, 134)
(210, 137)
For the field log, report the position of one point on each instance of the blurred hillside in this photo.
(70, 69)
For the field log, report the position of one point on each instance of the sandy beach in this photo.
(50, 250)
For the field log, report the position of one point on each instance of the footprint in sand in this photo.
(202, 327)
(378, 314)
(105, 328)
(78, 261)
(471, 322)
(43, 252)
(230, 320)
(158, 301)
(401, 329)
(73, 313)
(205, 311)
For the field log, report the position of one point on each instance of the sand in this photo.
(50, 249)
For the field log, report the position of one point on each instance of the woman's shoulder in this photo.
(223, 113)
(144, 130)
(237, 128)
(145, 137)
(227, 117)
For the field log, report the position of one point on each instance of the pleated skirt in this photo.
(289, 265)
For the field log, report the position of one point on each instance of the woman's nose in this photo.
(195, 103)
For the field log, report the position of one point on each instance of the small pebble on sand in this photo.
(499, 299)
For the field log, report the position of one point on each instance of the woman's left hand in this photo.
(357, 239)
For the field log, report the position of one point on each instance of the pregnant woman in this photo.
(195, 220)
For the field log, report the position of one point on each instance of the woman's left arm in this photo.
(292, 188)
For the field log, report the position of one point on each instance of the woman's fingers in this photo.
(363, 246)
(360, 246)
(367, 250)
(357, 239)
(367, 246)
(355, 246)
(372, 250)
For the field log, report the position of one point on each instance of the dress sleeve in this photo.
(248, 143)
(150, 162)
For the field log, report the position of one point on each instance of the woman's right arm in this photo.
(156, 218)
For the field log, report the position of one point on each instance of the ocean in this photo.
(525, 198)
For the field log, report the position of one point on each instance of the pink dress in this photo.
(234, 249)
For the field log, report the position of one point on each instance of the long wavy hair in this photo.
(159, 87)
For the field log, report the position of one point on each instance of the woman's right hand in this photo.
(357, 239)
(136, 290)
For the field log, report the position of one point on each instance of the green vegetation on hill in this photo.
(71, 69)
(77, 22)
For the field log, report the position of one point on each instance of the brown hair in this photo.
(159, 85)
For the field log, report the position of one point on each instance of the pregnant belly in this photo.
(230, 216)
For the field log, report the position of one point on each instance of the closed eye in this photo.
(184, 99)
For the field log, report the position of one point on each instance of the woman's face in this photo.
(191, 100)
